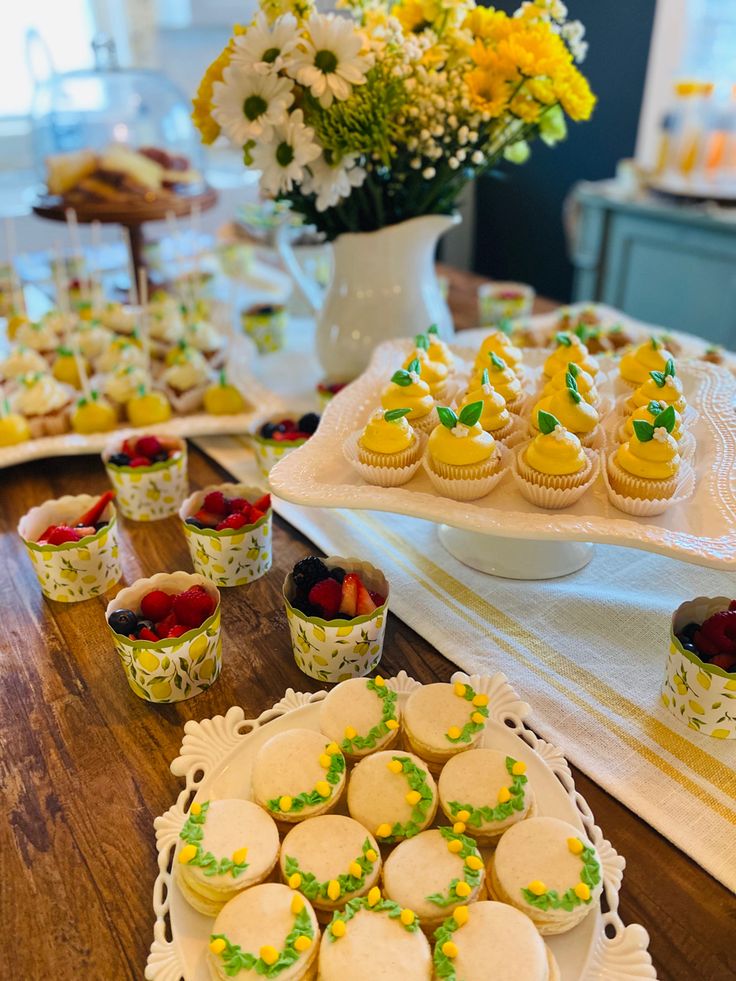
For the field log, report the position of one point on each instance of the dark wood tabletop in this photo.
(84, 763)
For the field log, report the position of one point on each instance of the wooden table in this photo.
(84, 764)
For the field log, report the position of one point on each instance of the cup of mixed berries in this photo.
(700, 680)
(277, 437)
(228, 531)
(336, 608)
(327, 390)
(166, 631)
(149, 474)
(72, 542)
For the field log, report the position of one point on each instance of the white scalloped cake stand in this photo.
(502, 533)
(215, 762)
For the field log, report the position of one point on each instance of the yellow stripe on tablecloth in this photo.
(706, 766)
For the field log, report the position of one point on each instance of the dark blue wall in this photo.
(519, 228)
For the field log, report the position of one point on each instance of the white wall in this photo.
(668, 40)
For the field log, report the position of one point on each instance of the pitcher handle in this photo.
(306, 286)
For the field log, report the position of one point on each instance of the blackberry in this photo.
(308, 423)
(308, 572)
(337, 573)
(119, 460)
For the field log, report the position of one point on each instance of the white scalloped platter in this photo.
(215, 762)
(702, 530)
(241, 352)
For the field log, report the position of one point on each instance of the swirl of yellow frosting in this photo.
(501, 344)
(643, 413)
(502, 378)
(556, 453)
(495, 415)
(564, 353)
(382, 435)
(578, 417)
(656, 459)
(670, 392)
(415, 396)
(652, 355)
(461, 445)
(438, 350)
(434, 373)
(584, 380)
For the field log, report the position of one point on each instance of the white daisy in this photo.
(264, 47)
(248, 106)
(331, 183)
(329, 62)
(283, 159)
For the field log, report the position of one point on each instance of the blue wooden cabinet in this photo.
(658, 261)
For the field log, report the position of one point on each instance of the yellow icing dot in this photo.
(295, 880)
(332, 749)
(187, 853)
(474, 863)
(355, 870)
(371, 855)
(378, 681)
(459, 689)
(454, 732)
(413, 797)
(504, 795)
(302, 943)
(463, 815)
(575, 845)
(196, 810)
(392, 724)
(458, 827)
(519, 768)
(324, 761)
(395, 766)
(407, 916)
(268, 954)
(478, 718)
(461, 915)
(463, 889)
(322, 788)
(537, 888)
(297, 902)
(240, 856)
(285, 803)
(218, 945)
(374, 896)
(449, 949)
(582, 891)
(350, 732)
(333, 890)
(454, 846)
(480, 700)
(383, 831)
(338, 928)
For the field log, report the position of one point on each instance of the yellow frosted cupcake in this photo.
(663, 386)
(583, 379)
(495, 417)
(500, 344)
(554, 469)
(647, 466)
(570, 348)
(571, 411)
(462, 460)
(635, 366)
(503, 379)
(648, 413)
(438, 349)
(434, 373)
(407, 389)
(388, 452)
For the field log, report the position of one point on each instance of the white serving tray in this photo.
(216, 759)
(702, 530)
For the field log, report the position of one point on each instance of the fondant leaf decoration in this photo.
(644, 430)
(572, 387)
(497, 362)
(484, 380)
(656, 345)
(401, 377)
(505, 326)
(658, 378)
(415, 366)
(447, 416)
(422, 342)
(666, 419)
(669, 369)
(563, 339)
(393, 415)
(434, 330)
(470, 414)
(573, 369)
(547, 422)
(654, 407)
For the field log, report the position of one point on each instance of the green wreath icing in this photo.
(471, 876)
(192, 833)
(443, 966)
(312, 888)
(551, 899)
(235, 959)
(379, 731)
(312, 798)
(416, 777)
(489, 815)
(470, 728)
(354, 906)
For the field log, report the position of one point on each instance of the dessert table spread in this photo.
(85, 764)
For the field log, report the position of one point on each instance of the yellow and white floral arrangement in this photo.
(383, 112)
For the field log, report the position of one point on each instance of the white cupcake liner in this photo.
(554, 498)
(468, 490)
(642, 508)
(148, 493)
(427, 423)
(381, 476)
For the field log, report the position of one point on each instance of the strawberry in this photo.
(148, 446)
(128, 447)
(156, 605)
(140, 461)
(263, 503)
(206, 518)
(231, 522)
(293, 435)
(349, 598)
(255, 515)
(377, 598)
(193, 606)
(215, 502)
(62, 534)
(235, 504)
(163, 627)
(93, 515)
(146, 634)
(177, 630)
(326, 595)
(365, 604)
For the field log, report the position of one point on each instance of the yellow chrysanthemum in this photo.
(524, 107)
(492, 61)
(542, 90)
(488, 24)
(202, 102)
(574, 94)
(415, 15)
(488, 92)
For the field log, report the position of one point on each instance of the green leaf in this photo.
(654, 407)
(563, 339)
(434, 330)
(470, 414)
(484, 380)
(447, 416)
(505, 325)
(547, 421)
(415, 366)
(422, 342)
(666, 419)
(669, 369)
(656, 345)
(644, 431)
(401, 377)
(572, 369)
(497, 362)
(393, 415)
(658, 378)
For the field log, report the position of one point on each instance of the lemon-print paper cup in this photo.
(149, 493)
(268, 452)
(335, 650)
(234, 557)
(175, 668)
(701, 695)
(73, 571)
(265, 326)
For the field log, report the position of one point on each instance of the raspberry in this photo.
(140, 461)
(237, 504)
(232, 521)
(156, 605)
(215, 502)
(148, 446)
(326, 596)
(193, 606)
(717, 635)
(62, 534)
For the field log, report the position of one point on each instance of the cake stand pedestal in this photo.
(515, 558)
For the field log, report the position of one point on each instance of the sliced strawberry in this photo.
(128, 447)
(326, 595)
(94, 514)
(232, 521)
(215, 502)
(349, 597)
(177, 630)
(377, 598)
(288, 425)
(255, 515)
(146, 634)
(365, 604)
(263, 503)
(206, 518)
(140, 461)
(62, 534)
(163, 627)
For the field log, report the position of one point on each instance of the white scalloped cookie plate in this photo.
(216, 760)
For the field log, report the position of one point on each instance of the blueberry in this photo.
(687, 645)
(337, 573)
(308, 423)
(143, 623)
(280, 428)
(194, 523)
(267, 430)
(123, 621)
(689, 630)
(119, 460)
(161, 457)
(99, 525)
